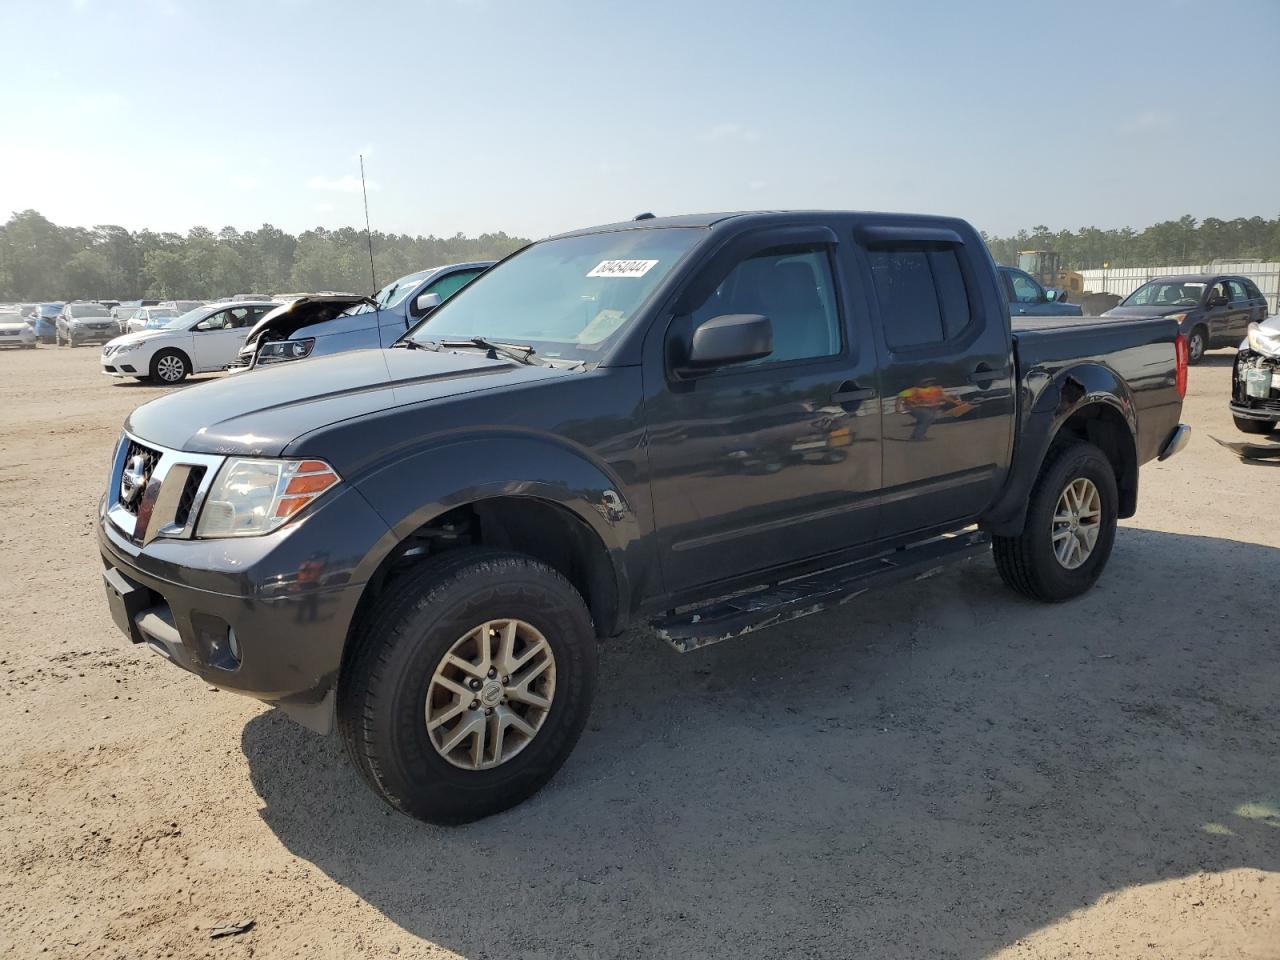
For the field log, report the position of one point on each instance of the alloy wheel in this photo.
(490, 694)
(1077, 520)
(170, 369)
(1195, 346)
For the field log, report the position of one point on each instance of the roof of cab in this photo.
(708, 220)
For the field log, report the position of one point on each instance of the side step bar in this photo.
(793, 599)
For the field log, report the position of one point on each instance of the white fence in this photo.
(1122, 281)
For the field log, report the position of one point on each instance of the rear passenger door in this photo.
(946, 379)
(1240, 311)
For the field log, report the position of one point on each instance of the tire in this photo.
(1197, 344)
(383, 694)
(1028, 562)
(1261, 427)
(169, 367)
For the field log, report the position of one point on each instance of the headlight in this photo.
(1264, 341)
(126, 347)
(253, 497)
(276, 351)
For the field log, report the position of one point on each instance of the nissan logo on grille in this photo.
(134, 478)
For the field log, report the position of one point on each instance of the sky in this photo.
(537, 116)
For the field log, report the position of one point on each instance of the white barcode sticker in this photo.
(622, 268)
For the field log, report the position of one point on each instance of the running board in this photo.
(793, 599)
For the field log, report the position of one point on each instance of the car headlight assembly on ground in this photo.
(250, 497)
(278, 351)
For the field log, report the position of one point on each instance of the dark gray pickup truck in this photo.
(708, 424)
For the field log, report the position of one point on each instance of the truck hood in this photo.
(261, 414)
(1147, 312)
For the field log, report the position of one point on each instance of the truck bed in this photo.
(1026, 323)
(1120, 351)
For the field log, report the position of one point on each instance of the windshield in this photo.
(567, 298)
(78, 310)
(188, 319)
(395, 292)
(1166, 293)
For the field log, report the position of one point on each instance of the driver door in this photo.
(218, 338)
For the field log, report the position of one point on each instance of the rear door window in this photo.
(922, 294)
(1237, 292)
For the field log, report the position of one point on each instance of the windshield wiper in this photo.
(519, 352)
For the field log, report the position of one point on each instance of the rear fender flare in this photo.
(1071, 391)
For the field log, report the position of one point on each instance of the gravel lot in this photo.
(945, 771)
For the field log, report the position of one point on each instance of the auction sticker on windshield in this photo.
(622, 268)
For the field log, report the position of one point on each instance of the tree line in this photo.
(1172, 243)
(40, 260)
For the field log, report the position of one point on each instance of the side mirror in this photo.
(1050, 295)
(728, 339)
(427, 302)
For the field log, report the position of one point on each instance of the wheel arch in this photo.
(1086, 402)
(167, 348)
(531, 522)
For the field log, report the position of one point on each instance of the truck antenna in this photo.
(367, 232)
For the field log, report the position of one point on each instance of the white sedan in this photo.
(200, 341)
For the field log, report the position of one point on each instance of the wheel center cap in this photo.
(491, 693)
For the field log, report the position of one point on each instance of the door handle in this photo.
(850, 392)
(983, 375)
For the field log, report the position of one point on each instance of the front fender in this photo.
(1057, 400)
(429, 482)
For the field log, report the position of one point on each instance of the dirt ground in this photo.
(944, 771)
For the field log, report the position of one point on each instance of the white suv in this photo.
(202, 340)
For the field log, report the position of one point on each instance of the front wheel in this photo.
(470, 685)
(1070, 527)
(1245, 425)
(169, 367)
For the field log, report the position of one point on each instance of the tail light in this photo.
(1183, 359)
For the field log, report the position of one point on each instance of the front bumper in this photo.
(92, 336)
(266, 616)
(1267, 414)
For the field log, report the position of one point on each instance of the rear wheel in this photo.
(1070, 527)
(169, 367)
(470, 685)
(1245, 425)
(1197, 344)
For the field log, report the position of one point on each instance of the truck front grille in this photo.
(156, 491)
(138, 456)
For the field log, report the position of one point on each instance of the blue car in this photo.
(45, 321)
(1028, 299)
(321, 324)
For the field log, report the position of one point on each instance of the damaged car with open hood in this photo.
(321, 324)
(1255, 379)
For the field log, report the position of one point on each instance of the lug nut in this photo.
(493, 672)
(488, 711)
(506, 679)
(474, 684)
(474, 704)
